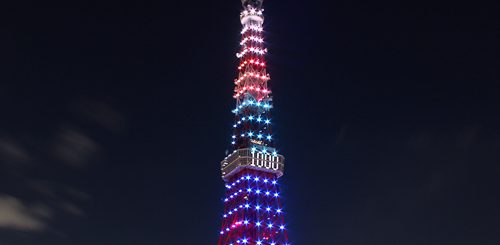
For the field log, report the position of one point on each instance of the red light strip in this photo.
(253, 62)
(251, 88)
(252, 74)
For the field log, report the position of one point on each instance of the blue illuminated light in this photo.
(258, 118)
(251, 103)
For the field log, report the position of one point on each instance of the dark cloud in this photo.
(77, 194)
(74, 148)
(11, 152)
(37, 199)
(101, 113)
(468, 137)
(71, 208)
(14, 214)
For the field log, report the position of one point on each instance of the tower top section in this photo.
(252, 12)
(249, 4)
(252, 139)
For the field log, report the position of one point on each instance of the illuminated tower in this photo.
(252, 214)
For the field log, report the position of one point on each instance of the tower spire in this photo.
(252, 3)
(253, 97)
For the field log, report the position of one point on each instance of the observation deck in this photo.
(251, 158)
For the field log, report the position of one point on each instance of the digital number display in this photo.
(265, 160)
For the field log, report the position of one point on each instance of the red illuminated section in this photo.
(252, 77)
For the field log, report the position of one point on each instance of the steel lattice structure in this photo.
(253, 213)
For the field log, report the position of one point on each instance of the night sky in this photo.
(115, 116)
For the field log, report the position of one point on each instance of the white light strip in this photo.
(252, 12)
(252, 38)
(253, 50)
(253, 28)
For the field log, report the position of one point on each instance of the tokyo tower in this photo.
(253, 214)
